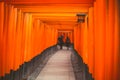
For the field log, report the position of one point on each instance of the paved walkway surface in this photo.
(58, 67)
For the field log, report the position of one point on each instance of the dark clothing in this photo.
(67, 42)
(60, 41)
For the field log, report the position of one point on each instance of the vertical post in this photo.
(116, 65)
(1, 36)
(85, 40)
(91, 41)
(100, 40)
(109, 42)
(28, 27)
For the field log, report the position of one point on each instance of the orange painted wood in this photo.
(1, 36)
(28, 27)
(42, 36)
(109, 50)
(76, 37)
(85, 41)
(116, 62)
(91, 41)
(79, 40)
(25, 36)
(4, 41)
(54, 1)
(36, 28)
(22, 38)
(20, 35)
(18, 43)
(100, 40)
(9, 41)
(82, 40)
(95, 24)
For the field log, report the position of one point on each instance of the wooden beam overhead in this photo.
(54, 9)
(31, 5)
(52, 1)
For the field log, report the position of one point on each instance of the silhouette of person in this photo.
(67, 42)
(60, 41)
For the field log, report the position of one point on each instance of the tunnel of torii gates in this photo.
(27, 27)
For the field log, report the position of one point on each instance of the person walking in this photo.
(67, 42)
(60, 41)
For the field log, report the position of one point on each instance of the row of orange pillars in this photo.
(97, 41)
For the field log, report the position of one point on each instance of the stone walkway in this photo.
(58, 67)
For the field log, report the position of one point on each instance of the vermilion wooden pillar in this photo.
(116, 65)
(49, 35)
(109, 49)
(43, 36)
(35, 40)
(27, 33)
(91, 41)
(70, 34)
(15, 60)
(22, 38)
(47, 29)
(77, 38)
(32, 38)
(18, 43)
(84, 48)
(81, 39)
(10, 39)
(53, 36)
(39, 32)
(85, 40)
(79, 44)
(55, 33)
(94, 25)
(100, 40)
(20, 31)
(1, 36)
(36, 36)
(4, 40)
